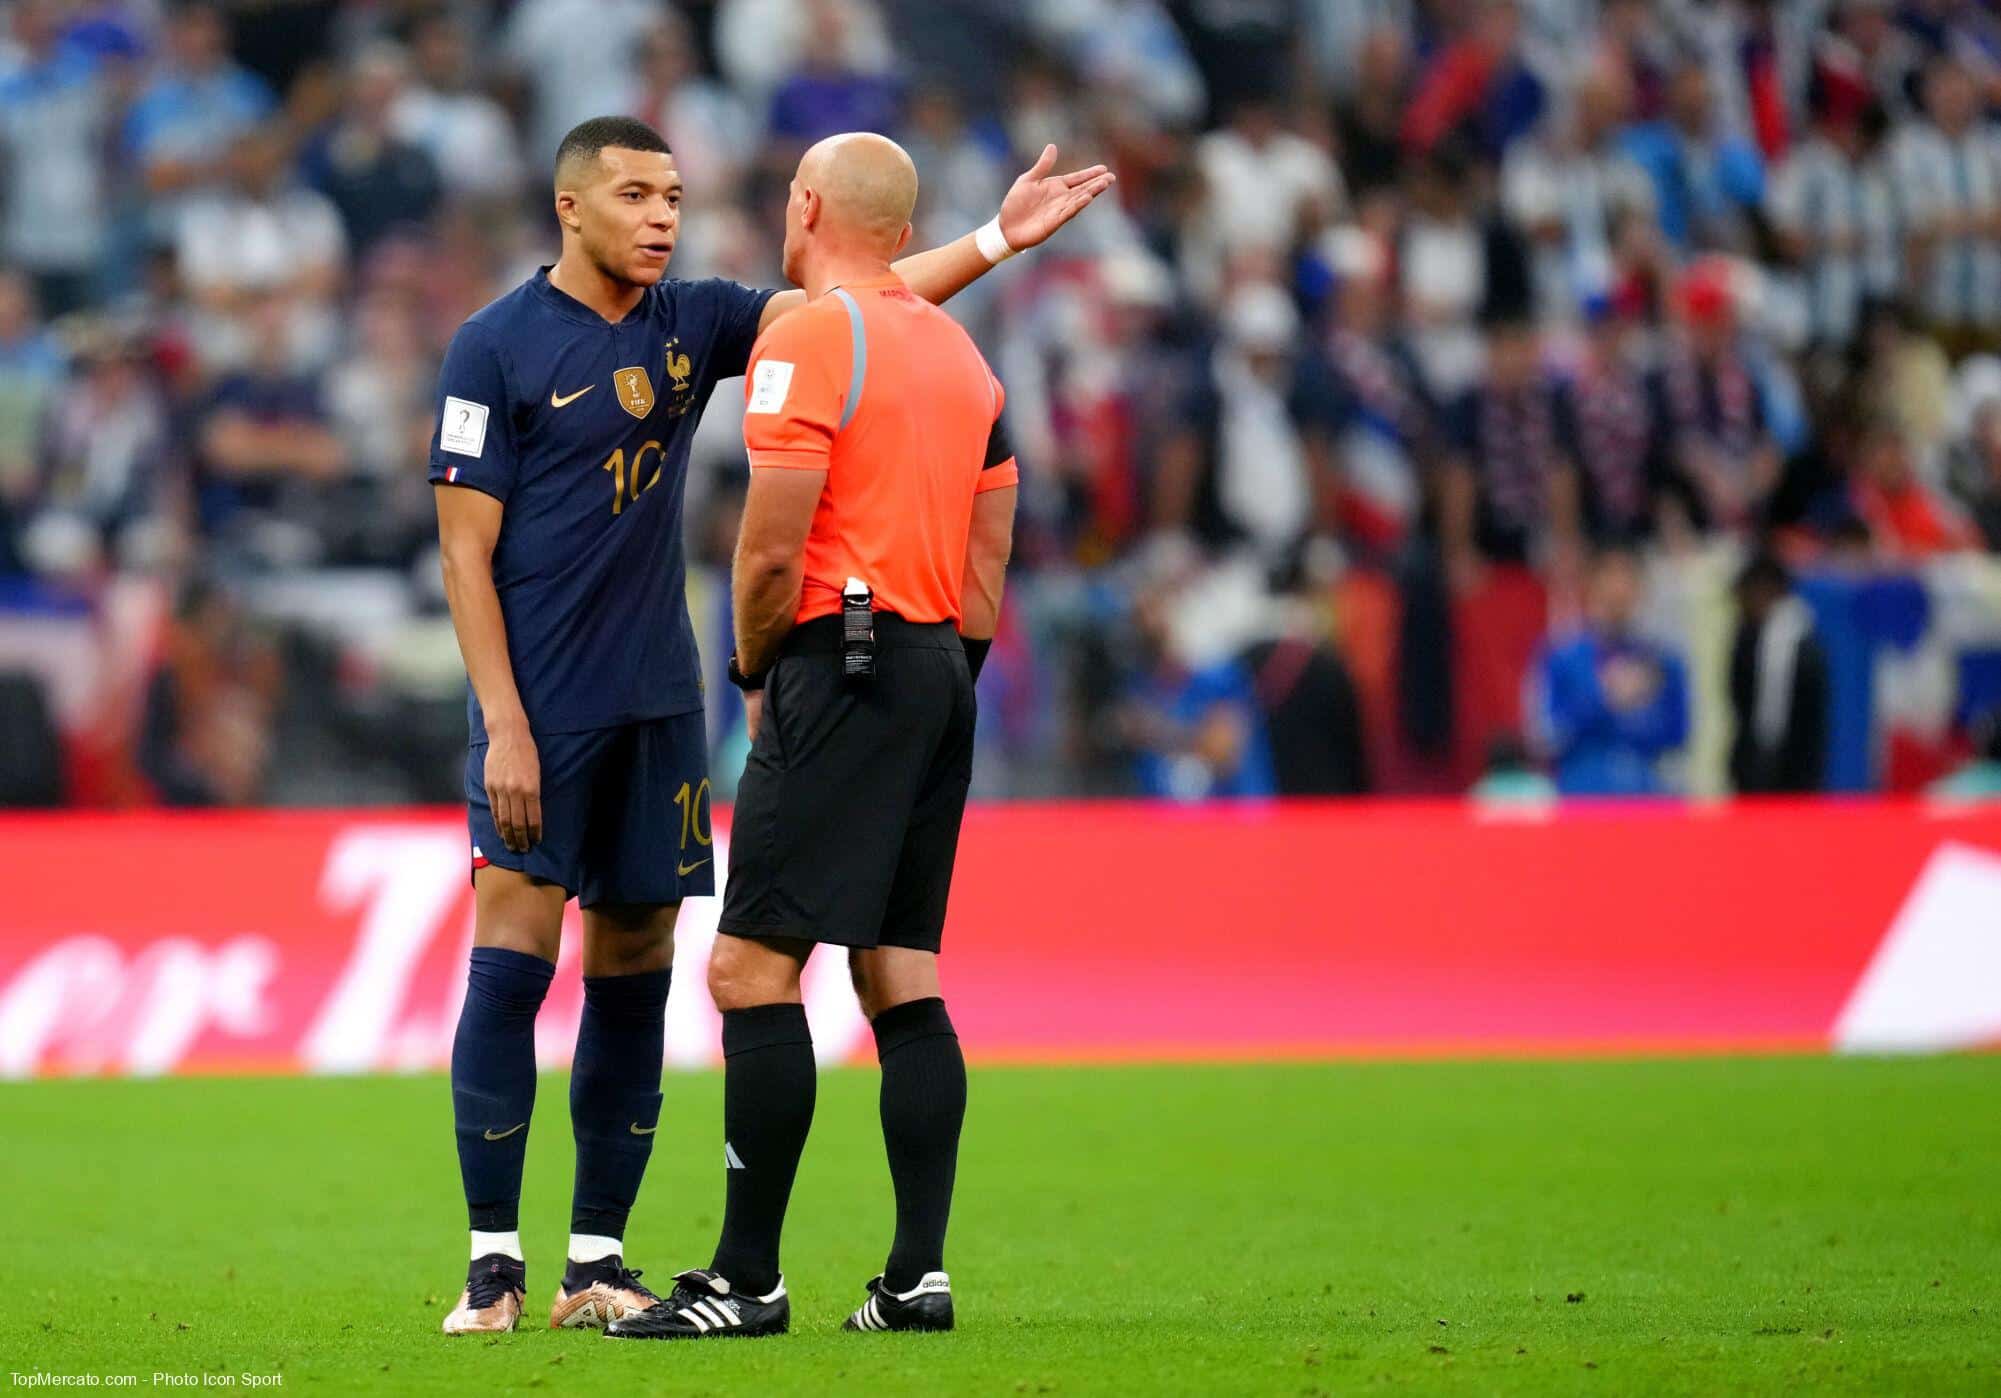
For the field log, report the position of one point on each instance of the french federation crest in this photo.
(635, 390)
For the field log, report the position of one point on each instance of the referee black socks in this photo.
(923, 1106)
(769, 1084)
(615, 1095)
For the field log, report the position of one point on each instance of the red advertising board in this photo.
(336, 941)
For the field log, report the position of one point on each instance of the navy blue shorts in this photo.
(625, 813)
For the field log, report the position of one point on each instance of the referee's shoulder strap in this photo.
(858, 373)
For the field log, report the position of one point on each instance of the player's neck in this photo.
(852, 269)
(582, 280)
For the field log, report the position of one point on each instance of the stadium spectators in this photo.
(1708, 180)
(1510, 495)
(206, 736)
(181, 127)
(56, 108)
(1984, 471)
(1832, 209)
(472, 144)
(1610, 703)
(1947, 168)
(378, 181)
(1191, 722)
(1439, 294)
(31, 373)
(578, 59)
(262, 245)
(104, 455)
(1778, 686)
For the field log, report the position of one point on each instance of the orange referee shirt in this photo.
(889, 396)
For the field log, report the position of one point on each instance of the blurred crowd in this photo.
(1433, 366)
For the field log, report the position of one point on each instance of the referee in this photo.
(867, 584)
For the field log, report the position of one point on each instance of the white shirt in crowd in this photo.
(1261, 463)
(1585, 195)
(240, 243)
(1260, 191)
(232, 242)
(581, 57)
(1130, 48)
(1937, 176)
(52, 142)
(761, 43)
(1821, 193)
(468, 137)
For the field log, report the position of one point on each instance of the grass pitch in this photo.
(1719, 1226)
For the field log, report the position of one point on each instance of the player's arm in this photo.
(468, 529)
(1036, 206)
(989, 544)
(473, 468)
(794, 400)
(770, 563)
(988, 547)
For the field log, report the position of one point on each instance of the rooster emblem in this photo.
(679, 366)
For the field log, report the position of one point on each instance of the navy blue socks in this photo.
(769, 1085)
(615, 1095)
(493, 1081)
(923, 1105)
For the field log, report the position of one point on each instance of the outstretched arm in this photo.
(1036, 206)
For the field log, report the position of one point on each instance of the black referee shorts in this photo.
(847, 818)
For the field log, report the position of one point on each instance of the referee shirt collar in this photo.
(868, 283)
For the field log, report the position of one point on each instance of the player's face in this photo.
(629, 214)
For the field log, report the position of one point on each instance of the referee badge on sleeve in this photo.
(769, 385)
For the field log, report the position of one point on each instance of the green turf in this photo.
(1718, 1226)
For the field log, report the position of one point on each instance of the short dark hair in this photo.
(588, 138)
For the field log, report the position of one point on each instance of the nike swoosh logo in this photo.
(493, 1135)
(687, 869)
(567, 399)
(639, 1130)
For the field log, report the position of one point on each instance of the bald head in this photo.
(867, 187)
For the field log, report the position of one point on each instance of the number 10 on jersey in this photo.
(619, 479)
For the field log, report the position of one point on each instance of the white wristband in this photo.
(993, 243)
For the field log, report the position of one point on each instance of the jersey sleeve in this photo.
(999, 469)
(472, 443)
(738, 310)
(797, 392)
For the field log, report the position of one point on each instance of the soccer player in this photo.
(566, 411)
(882, 496)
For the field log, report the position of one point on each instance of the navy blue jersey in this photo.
(581, 429)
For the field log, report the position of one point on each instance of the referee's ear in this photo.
(902, 242)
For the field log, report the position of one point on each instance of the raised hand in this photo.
(1039, 203)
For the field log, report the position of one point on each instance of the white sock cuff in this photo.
(594, 1247)
(506, 1243)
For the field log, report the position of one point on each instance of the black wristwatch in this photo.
(749, 684)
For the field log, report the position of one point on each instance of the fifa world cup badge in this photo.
(635, 390)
